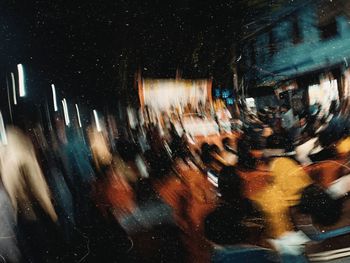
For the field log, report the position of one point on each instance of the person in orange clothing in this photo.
(192, 197)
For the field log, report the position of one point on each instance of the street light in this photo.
(22, 90)
(78, 114)
(54, 97)
(14, 88)
(65, 112)
(97, 121)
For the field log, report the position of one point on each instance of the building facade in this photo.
(300, 53)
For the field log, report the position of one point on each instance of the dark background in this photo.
(92, 49)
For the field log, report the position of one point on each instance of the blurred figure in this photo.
(236, 226)
(236, 220)
(286, 181)
(22, 176)
(99, 148)
(152, 225)
(326, 220)
(248, 153)
(9, 247)
(337, 129)
(30, 197)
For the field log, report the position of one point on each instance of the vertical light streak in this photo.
(97, 121)
(54, 97)
(22, 89)
(65, 112)
(3, 130)
(78, 114)
(14, 89)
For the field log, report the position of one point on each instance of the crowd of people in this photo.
(152, 195)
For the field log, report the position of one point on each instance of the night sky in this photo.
(91, 49)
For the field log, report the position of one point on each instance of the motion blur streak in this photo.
(3, 135)
(54, 97)
(65, 112)
(21, 80)
(78, 115)
(97, 121)
(14, 89)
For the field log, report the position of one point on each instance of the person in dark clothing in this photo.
(280, 139)
(246, 160)
(322, 208)
(324, 216)
(228, 223)
(337, 129)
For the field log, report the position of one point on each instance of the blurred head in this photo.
(126, 149)
(100, 148)
(284, 108)
(159, 164)
(322, 208)
(207, 150)
(227, 142)
(230, 184)
(245, 157)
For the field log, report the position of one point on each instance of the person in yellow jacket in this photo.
(283, 191)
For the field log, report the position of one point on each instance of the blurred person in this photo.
(236, 226)
(22, 176)
(336, 131)
(248, 153)
(210, 156)
(103, 237)
(99, 147)
(129, 153)
(280, 139)
(228, 223)
(282, 192)
(191, 196)
(152, 225)
(56, 181)
(118, 190)
(78, 172)
(9, 247)
(112, 199)
(325, 218)
(229, 154)
(288, 118)
(30, 197)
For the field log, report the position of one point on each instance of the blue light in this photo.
(229, 101)
(217, 93)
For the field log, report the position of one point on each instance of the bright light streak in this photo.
(14, 88)
(22, 89)
(212, 178)
(54, 97)
(2, 130)
(78, 114)
(65, 112)
(97, 121)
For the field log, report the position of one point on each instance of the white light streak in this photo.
(22, 89)
(14, 88)
(78, 114)
(65, 111)
(97, 121)
(2, 130)
(54, 97)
